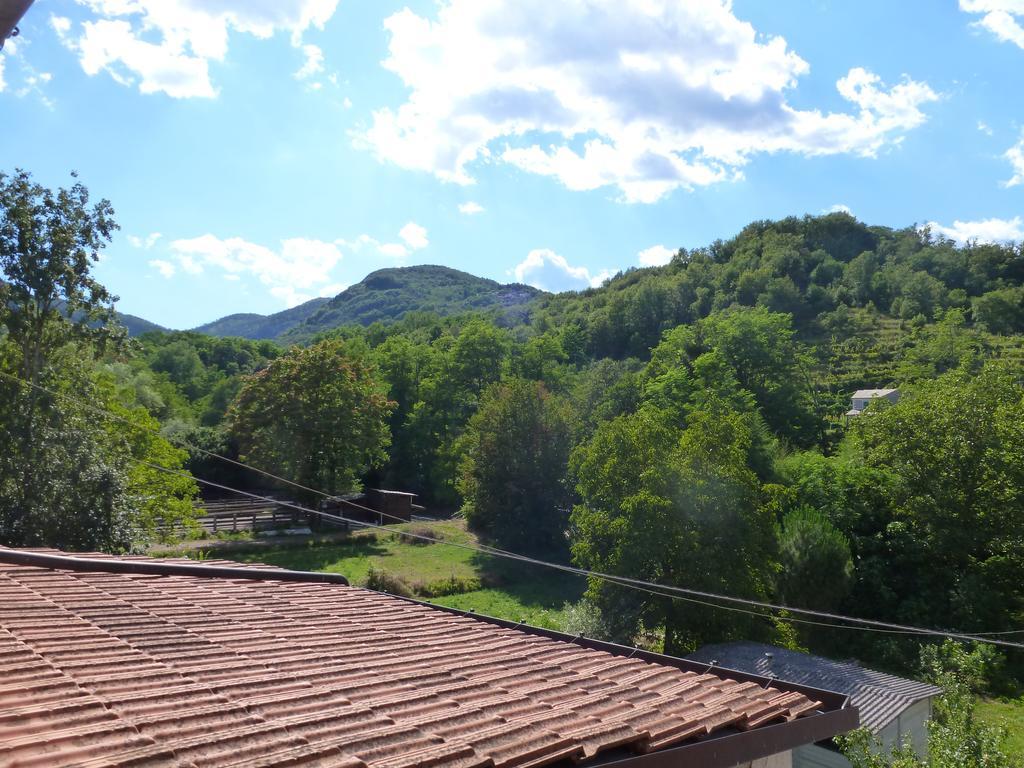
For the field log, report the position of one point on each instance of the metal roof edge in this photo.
(731, 749)
(156, 568)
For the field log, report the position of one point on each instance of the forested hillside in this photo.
(390, 294)
(681, 424)
(253, 326)
(685, 423)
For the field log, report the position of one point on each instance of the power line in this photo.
(699, 597)
(650, 587)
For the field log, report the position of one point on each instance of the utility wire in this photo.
(501, 553)
(662, 590)
(649, 587)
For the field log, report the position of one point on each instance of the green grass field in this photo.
(1009, 713)
(439, 572)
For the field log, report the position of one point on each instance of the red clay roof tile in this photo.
(112, 670)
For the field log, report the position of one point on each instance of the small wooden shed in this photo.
(391, 504)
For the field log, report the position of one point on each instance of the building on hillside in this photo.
(119, 662)
(894, 709)
(862, 397)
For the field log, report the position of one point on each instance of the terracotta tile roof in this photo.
(107, 669)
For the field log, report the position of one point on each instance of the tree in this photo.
(513, 476)
(315, 415)
(48, 244)
(1000, 311)
(676, 507)
(478, 355)
(956, 737)
(815, 565)
(69, 477)
(954, 448)
(93, 482)
(763, 357)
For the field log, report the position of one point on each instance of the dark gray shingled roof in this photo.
(878, 697)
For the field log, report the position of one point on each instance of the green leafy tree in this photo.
(956, 737)
(815, 564)
(762, 356)
(48, 244)
(677, 507)
(1000, 311)
(315, 415)
(954, 448)
(513, 476)
(69, 477)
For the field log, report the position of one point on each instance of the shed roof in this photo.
(879, 697)
(870, 393)
(116, 669)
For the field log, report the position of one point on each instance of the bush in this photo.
(382, 581)
(584, 618)
(453, 585)
(424, 533)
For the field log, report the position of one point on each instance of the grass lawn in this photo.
(444, 574)
(1010, 713)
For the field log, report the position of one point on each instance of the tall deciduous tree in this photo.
(513, 477)
(48, 244)
(315, 415)
(69, 477)
(674, 507)
(955, 450)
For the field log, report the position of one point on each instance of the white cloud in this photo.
(471, 208)
(27, 80)
(165, 268)
(295, 271)
(655, 256)
(314, 63)
(166, 46)
(543, 268)
(346, 103)
(195, 267)
(983, 231)
(838, 208)
(298, 266)
(146, 243)
(985, 128)
(999, 17)
(1015, 156)
(643, 95)
(414, 236)
(60, 24)
(331, 290)
(394, 250)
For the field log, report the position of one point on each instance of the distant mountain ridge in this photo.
(250, 325)
(136, 326)
(385, 295)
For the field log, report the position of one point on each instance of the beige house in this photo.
(862, 397)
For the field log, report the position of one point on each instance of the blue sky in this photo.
(262, 152)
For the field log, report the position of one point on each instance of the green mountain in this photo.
(388, 294)
(136, 325)
(250, 325)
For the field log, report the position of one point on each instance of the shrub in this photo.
(382, 581)
(424, 533)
